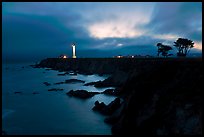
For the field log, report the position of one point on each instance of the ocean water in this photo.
(49, 112)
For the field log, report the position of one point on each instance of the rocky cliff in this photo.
(161, 96)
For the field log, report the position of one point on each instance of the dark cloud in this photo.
(34, 35)
(183, 19)
(32, 31)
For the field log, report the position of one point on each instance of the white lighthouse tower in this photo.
(73, 50)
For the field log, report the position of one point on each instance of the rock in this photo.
(112, 107)
(72, 73)
(81, 94)
(109, 92)
(17, 92)
(70, 81)
(116, 115)
(117, 79)
(74, 81)
(55, 89)
(98, 106)
(63, 74)
(175, 82)
(58, 83)
(91, 83)
(99, 84)
(46, 83)
(107, 109)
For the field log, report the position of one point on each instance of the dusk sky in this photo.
(37, 30)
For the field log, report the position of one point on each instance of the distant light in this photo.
(132, 56)
(64, 57)
(119, 56)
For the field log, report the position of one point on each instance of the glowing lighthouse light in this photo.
(73, 51)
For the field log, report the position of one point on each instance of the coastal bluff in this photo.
(161, 96)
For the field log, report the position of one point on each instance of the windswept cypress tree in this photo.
(163, 49)
(183, 46)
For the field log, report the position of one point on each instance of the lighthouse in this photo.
(73, 51)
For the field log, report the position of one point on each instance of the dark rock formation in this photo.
(112, 107)
(63, 74)
(110, 92)
(74, 81)
(70, 81)
(161, 96)
(100, 84)
(165, 100)
(46, 83)
(92, 83)
(72, 73)
(107, 109)
(58, 83)
(115, 117)
(55, 89)
(81, 94)
(99, 106)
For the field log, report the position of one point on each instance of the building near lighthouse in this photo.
(73, 50)
(63, 56)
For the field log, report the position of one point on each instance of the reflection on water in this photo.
(49, 112)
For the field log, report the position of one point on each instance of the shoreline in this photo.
(146, 85)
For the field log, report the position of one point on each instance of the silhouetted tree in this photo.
(163, 49)
(159, 48)
(183, 46)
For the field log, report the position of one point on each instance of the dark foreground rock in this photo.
(55, 89)
(165, 100)
(81, 94)
(115, 117)
(107, 109)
